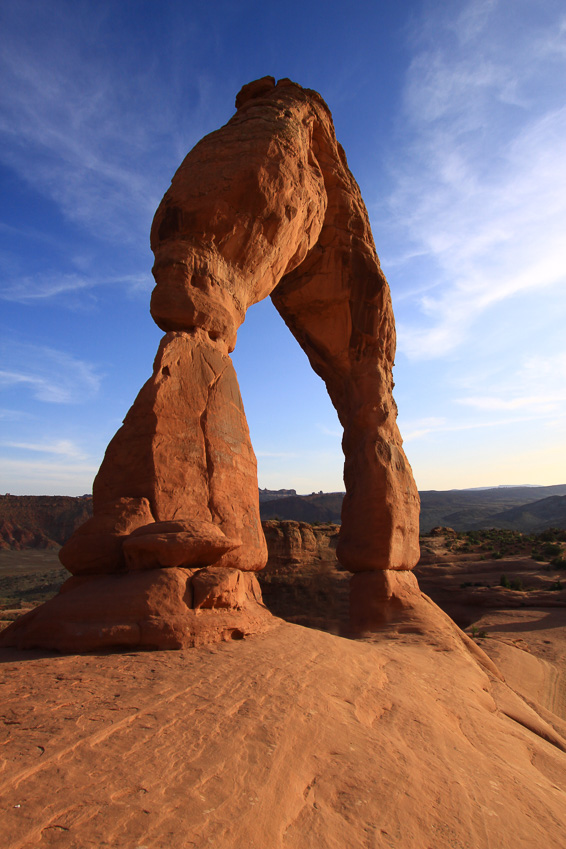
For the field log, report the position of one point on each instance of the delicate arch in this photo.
(264, 206)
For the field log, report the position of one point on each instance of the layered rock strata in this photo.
(266, 205)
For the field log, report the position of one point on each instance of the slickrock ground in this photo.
(300, 739)
(295, 738)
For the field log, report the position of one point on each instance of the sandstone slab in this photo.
(291, 739)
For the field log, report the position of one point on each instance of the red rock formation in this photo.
(267, 205)
(264, 206)
(294, 546)
(168, 608)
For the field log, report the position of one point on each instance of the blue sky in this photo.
(453, 118)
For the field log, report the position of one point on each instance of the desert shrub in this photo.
(505, 582)
(553, 535)
(498, 540)
(517, 585)
(552, 549)
(559, 562)
(556, 586)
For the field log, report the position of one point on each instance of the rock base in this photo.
(155, 609)
(381, 598)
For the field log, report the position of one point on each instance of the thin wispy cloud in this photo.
(42, 287)
(50, 285)
(62, 447)
(542, 403)
(51, 139)
(8, 415)
(537, 384)
(103, 152)
(47, 374)
(415, 431)
(481, 179)
(330, 431)
(33, 477)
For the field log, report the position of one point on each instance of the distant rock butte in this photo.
(296, 545)
(266, 205)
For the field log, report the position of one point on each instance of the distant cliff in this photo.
(40, 521)
(47, 521)
(520, 508)
(318, 507)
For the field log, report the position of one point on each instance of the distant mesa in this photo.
(274, 494)
(266, 205)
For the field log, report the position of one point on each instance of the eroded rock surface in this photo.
(299, 544)
(168, 608)
(266, 205)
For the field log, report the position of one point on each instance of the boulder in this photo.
(175, 544)
(96, 547)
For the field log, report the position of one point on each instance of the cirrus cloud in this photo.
(479, 204)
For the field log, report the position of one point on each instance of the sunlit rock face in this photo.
(266, 205)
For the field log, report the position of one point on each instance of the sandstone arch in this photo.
(266, 205)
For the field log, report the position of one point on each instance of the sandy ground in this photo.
(295, 739)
